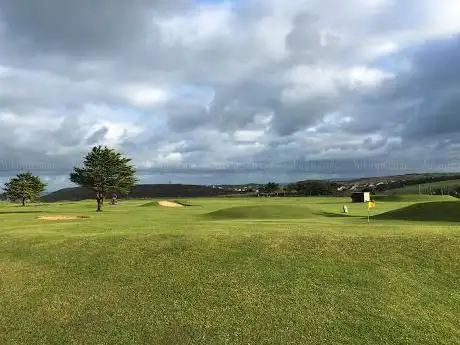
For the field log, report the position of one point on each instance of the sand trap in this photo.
(169, 204)
(61, 217)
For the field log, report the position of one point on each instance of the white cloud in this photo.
(205, 23)
(247, 136)
(117, 133)
(442, 18)
(169, 158)
(362, 76)
(373, 50)
(4, 71)
(306, 82)
(144, 96)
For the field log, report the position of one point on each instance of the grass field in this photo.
(232, 271)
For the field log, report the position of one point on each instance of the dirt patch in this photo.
(169, 204)
(61, 217)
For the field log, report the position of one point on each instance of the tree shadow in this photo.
(20, 212)
(337, 215)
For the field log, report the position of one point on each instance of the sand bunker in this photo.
(169, 204)
(61, 217)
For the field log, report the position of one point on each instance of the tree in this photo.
(24, 186)
(315, 187)
(291, 187)
(271, 187)
(105, 171)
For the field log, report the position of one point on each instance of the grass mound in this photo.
(150, 204)
(183, 203)
(262, 212)
(412, 198)
(447, 211)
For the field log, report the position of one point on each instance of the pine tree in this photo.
(105, 171)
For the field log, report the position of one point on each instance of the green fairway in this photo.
(232, 271)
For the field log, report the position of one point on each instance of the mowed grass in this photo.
(143, 274)
(262, 212)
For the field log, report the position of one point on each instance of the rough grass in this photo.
(133, 275)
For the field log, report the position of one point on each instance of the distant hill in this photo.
(438, 187)
(407, 184)
(398, 184)
(140, 192)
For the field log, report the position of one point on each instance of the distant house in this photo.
(361, 197)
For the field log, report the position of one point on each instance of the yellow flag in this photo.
(371, 204)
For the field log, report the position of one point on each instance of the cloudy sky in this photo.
(231, 91)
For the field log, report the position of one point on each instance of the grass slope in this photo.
(427, 211)
(140, 275)
(412, 198)
(150, 204)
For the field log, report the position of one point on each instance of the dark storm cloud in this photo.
(97, 136)
(296, 117)
(305, 38)
(183, 118)
(421, 103)
(438, 75)
(80, 27)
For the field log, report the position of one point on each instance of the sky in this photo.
(223, 92)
